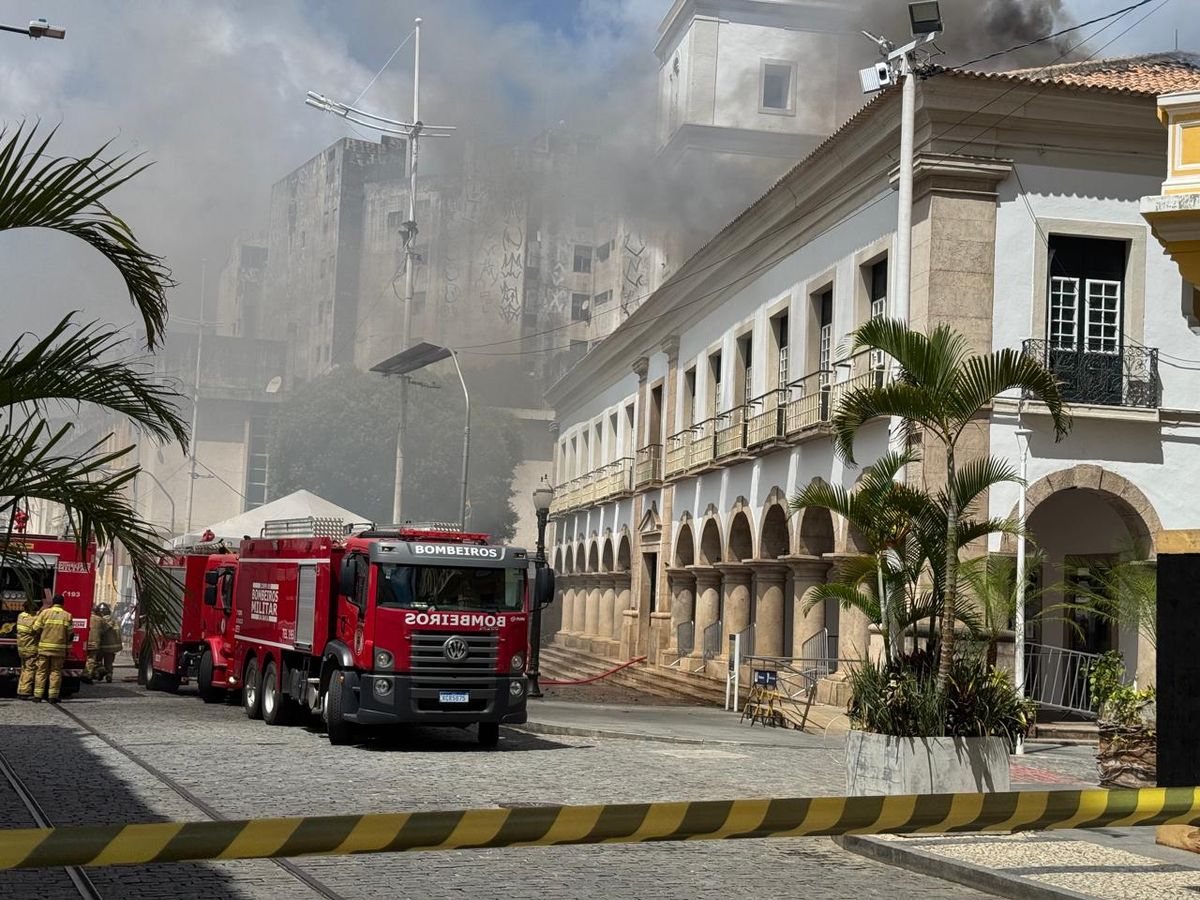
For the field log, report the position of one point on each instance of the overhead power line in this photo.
(1053, 35)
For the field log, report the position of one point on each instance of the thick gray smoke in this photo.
(212, 93)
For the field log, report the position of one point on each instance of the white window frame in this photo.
(1058, 338)
(825, 348)
(790, 109)
(1110, 305)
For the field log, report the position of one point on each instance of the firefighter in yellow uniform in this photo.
(27, 648)
(95, 659)
(110, 642)
(54, 631)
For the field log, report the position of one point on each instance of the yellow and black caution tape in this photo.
(609, 823)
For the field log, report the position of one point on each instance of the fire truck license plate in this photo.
(453, 697)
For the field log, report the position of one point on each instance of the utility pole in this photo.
(408, 232)
(413, 132)
(196, 397)
(908, 105)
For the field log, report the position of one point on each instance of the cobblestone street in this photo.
(245, 769)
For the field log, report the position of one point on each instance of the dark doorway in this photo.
(651, 563)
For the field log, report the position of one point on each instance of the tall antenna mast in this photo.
(413, 132)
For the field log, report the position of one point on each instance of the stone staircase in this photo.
(561, 664)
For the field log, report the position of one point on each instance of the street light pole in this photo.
(466, 435)
(543, 496)
(413, 132)
(196, 398)
(38, 28)
(409, 231)
(908, 114)
(166, 493)
(1019, 613)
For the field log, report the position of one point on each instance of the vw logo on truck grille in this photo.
(455, 649)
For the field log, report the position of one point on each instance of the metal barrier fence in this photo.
(105, 845)
(711, 645)
(1057, 678)
(685, 638)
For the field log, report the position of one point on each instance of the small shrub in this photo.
(1113, 700)
(903, 699)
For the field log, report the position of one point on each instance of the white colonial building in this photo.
(684, 433)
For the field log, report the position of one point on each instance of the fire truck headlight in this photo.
(517, 663)
(383, 659)
(516, 688)
(383, 687)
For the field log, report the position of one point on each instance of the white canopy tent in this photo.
(299, 505)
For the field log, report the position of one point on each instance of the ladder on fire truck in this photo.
(317, 526)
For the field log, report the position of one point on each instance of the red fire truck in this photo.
(48, 565)
(197, 638)
(384, 626)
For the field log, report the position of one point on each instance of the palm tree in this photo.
(991, 581)
(43, 381)
(901, 581)
(941, 388)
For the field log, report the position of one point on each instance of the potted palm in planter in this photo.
(938, 721)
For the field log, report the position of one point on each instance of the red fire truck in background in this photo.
(197, 638)
(385, 626)
(49, 565)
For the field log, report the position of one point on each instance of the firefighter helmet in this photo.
(104, 609)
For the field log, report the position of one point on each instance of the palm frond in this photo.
(82, 364)
(982, 378)
(863, 404)
(67, 195)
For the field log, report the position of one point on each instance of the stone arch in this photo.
(1122, 495)
(741, 537)
(606, 556)
(569, 560)
(776, 539)
(710, 542)
(855, 542)
(685, 545)
(580, 557)
(558, 559)
(623, 552)
(594, 556)
(815, 534)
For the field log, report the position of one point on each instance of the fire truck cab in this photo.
(197, 638)
(420, 625)
(47, 565)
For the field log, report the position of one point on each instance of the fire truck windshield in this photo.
(445, 587)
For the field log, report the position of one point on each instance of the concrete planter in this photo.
(885, 764)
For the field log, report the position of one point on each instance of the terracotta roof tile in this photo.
(1152, 73)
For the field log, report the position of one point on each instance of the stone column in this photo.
(854, 628)
(623, 587)
(683, 602)
(708, 601)
(579, 619)
(807, 572)
(735, 593)
(566, 599)
(769, 578)
(608, 601)
(591, 615)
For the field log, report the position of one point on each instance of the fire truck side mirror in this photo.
(543, 587)
(210, 595)
(211, 577)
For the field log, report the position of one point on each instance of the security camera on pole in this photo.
(413, 131)
(897, 64)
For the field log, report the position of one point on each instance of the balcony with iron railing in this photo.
(765, 418)
(862, 370)
(807, 403)
(679, 450)
(647, 466)
(612, 480)
(730, 432)
(702, 450)
(1126, 377)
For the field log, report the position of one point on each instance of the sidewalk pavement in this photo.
(1120, 863)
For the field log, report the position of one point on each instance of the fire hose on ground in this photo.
(625, 665)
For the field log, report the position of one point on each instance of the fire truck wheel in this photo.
(276, 710)
(252, 690)
(339, 731)
(204, 685)
(489, 734)
(146, 671)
